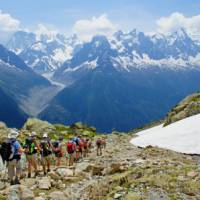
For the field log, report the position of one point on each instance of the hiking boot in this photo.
(29, 175)
(16, 182)
(36, 174)
(45, 173)
(48, 170)
(12, 182)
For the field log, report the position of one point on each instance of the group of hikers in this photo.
(44, 152)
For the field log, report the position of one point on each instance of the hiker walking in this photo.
(103, 141)
(11, 151)
(99, 146)
(31, 149)
(58, 150)
(71, 150)
(45, 147)
(85, 147)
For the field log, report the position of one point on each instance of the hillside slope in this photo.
(10, 113)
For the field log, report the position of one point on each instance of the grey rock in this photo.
(57, 195)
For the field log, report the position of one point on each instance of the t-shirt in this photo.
(16, 146)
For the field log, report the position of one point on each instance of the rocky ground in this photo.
(122, 172)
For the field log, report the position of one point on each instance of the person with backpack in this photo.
(31, 149)
(45, 150)
(79, 147)
(103, 141)
(11, 151)
(71, 150)
(99, 146)
(58, 150)
(85, 147)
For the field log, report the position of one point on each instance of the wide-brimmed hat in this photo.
(13, 134)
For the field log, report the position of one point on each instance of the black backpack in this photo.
(45, 148)
(6, 151)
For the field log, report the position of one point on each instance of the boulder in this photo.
(14, 192)
(54, 175)
(64, 172)
(44, 183)
(2, 185)
(192, 174)
(57, 195)
(97, 170)
(39, 198)
(26, 193)
(117, 195)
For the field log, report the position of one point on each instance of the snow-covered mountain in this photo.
(43, 53)
(121, 82)
(125, 81)
(46, 53)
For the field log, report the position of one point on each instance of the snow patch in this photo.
(182, 136)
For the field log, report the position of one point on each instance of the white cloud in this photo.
(7, 22)
(8, 25)
(178, 20)
(87, 28)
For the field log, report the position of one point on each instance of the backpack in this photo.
(70, 147)
(56, 146)
(7, 151)
(98, 142)
(45, 148)
(29, 144)
(76, 140)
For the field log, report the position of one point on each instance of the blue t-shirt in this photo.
(16, 146)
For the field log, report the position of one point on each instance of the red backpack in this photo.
(71, 147)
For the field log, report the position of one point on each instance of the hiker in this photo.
(45, 146)
(85, 147)
(71, 150)
(31, 150)
(58, 150)
(11, 151)
(99, 146)
(103, 142)
(76, 140)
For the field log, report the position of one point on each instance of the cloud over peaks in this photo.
(87, 28)
(176, 21)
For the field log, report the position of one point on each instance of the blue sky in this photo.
(124, 14)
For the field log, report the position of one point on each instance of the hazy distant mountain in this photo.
(19, 81)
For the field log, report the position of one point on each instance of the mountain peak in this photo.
(180, 33)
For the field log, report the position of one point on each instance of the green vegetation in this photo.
(188, 107)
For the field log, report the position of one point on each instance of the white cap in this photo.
(33, 134)
(13, 134)
(45, 135)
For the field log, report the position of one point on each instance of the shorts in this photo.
(45, 159)
(32, 158)
(69, 155)
(14, 168)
